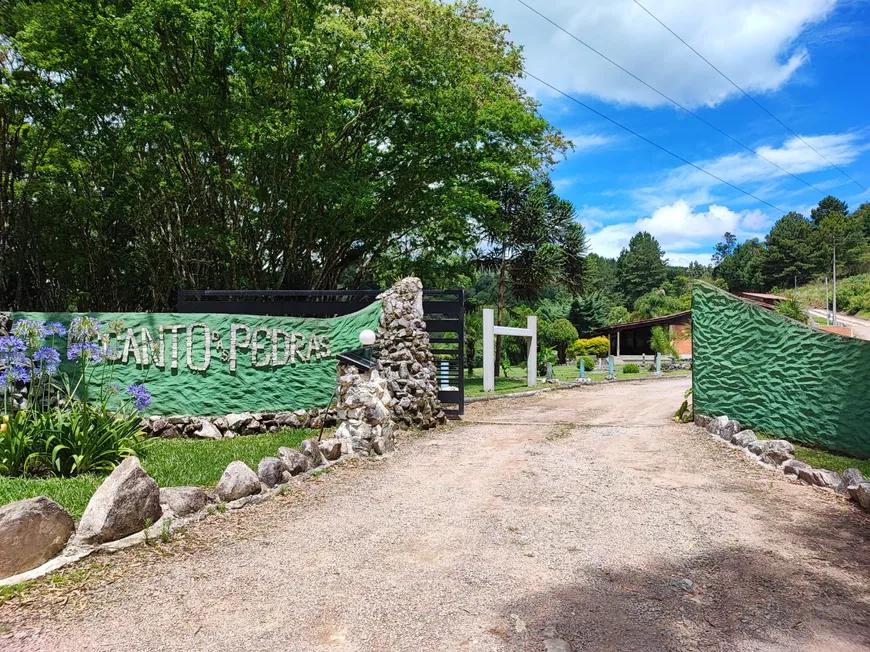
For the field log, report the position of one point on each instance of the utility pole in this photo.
(835, 283)
(827, 303)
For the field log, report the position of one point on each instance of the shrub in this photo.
(630, 368)
(588, 363)
(598, 347)
(545, 355)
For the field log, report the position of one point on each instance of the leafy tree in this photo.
(863, 214)
(153, 146)
(473, 337)
(828, 205)
(725, 248)
(601, 277)
(843, 235)
(589, 312)
(659, 303)
(742, 269)
(792, 252)
(618, 315)
(560, 334)
(641, 267)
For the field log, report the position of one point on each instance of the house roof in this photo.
(762, 296)
(845, 331)
(676, 318)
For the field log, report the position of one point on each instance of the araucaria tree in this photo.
(152, 146)
(532, 241)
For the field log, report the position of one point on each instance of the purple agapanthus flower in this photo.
(84, 329)
(12, 351)
(46, 361)
(30, 331)
(19, 374)
(141, 397)
(55, 328)
(89, 351)
(4, 381)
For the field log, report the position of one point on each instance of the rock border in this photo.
(318, 457)
(778, 454)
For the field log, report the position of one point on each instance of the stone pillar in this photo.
(405, 359)
(366, 426)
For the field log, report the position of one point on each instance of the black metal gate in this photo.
(444, 312)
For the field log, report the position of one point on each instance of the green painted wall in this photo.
(774, 374)
(280, 363)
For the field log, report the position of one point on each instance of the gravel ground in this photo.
(574, 520)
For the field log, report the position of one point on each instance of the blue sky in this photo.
(807, 61)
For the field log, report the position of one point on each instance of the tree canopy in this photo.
(150, 147)
(641, 267)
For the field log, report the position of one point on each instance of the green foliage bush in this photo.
(598, 347)
(630, 368)
(588, 363)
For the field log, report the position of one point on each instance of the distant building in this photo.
(845, 331)
(630, 341)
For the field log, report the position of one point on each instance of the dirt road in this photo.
(573, 520)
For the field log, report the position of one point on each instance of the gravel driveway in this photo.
(574, 520)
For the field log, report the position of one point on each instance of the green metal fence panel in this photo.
(217, 364)
(775, 374)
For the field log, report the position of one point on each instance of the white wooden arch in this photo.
(490, 330)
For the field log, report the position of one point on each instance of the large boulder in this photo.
(744, 438)
(330, 449)
(295, 461)
(272, 472)
(183, 501)
(121, 505)
(311, 450)
(723, 427)
(32, 531)
(237, 482)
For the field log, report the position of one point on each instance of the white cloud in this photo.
(585, 142)
(679, 228)
(751, 41)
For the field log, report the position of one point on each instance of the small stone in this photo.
(862, 495)
(32, 531)
(183, 501)
(820, 477)
(121, 505)
(236, 422)
(702, 420)
(795, 467)
(237, 482)
(851, 479)
(271, 471)
(773, 451)
(158, 425)
(295, 461)
(743, 438)
(330, 449)
(556, 645)
(207, 430)
(311, 450)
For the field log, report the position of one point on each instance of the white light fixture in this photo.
(367, 337)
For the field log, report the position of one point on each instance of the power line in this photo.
(759, 105)
(669, 99)
(654, 144)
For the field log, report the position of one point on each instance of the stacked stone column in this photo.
(405, 359)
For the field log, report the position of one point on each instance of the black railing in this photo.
(444, 312)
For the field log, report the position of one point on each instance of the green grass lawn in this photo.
(171, 462)
(516, 381)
